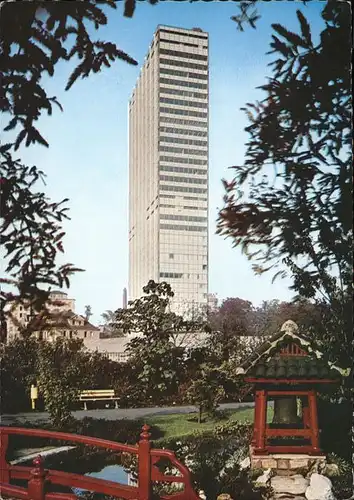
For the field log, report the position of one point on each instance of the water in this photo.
(114, 473)
(111, 473)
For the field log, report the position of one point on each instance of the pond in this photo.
(111, 473)
(92, 465)
(114, 473)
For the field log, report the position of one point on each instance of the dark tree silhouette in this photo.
(298, 170)
(129, 6)
(35, 37)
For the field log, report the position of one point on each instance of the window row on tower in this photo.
(179, 140)
(183, 64)
(180, 159)
(183, 74)
(186, 218)
(182, 189)
(183, 102)
(182, 83)
(179, 227)
(183, 93)
(186, 112)
(182, 150)
(188, 180)
(184, 55)
(182, 131)
(183, 121)
(183, 170)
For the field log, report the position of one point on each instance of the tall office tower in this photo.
(168, 168)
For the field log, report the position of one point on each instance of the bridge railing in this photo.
(38, 478)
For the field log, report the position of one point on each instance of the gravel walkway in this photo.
(113, 414)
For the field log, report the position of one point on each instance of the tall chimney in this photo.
(125, 298)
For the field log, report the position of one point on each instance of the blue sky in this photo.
(87, 160)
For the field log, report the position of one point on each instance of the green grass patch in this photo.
(177, 425)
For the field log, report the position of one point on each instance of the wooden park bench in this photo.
(98, 395)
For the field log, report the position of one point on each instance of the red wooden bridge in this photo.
(38, 478)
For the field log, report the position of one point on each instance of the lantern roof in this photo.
(288, 355)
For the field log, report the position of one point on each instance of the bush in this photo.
(17, 373)
(61, 369)
(213, 457)
(335, 420)
(343, 483)
(122, 431)
(205, 392)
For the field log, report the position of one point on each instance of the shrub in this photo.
(205, 392)
(123, 431)
(213, 457)
(17, 373)
(343, 483)
(335, 420)
(63, 369)
(60, 369)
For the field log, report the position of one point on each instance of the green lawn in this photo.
(177, 425)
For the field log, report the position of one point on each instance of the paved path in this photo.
(113, 414)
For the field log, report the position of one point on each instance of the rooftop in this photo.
(60, 320)
(289, 355)
(182, 30)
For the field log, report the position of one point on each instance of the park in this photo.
(234, 441)
(261, 409)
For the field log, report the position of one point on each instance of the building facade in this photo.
(212, 302)
(115, 349)
(60, 320)
(168, 168)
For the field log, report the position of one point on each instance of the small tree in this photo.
(63, 369)
(153, 356)
(88, 312)
(206, 392)
(110, 329)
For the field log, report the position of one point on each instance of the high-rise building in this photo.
(168, 168)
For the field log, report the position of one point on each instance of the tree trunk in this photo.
(200, 414)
